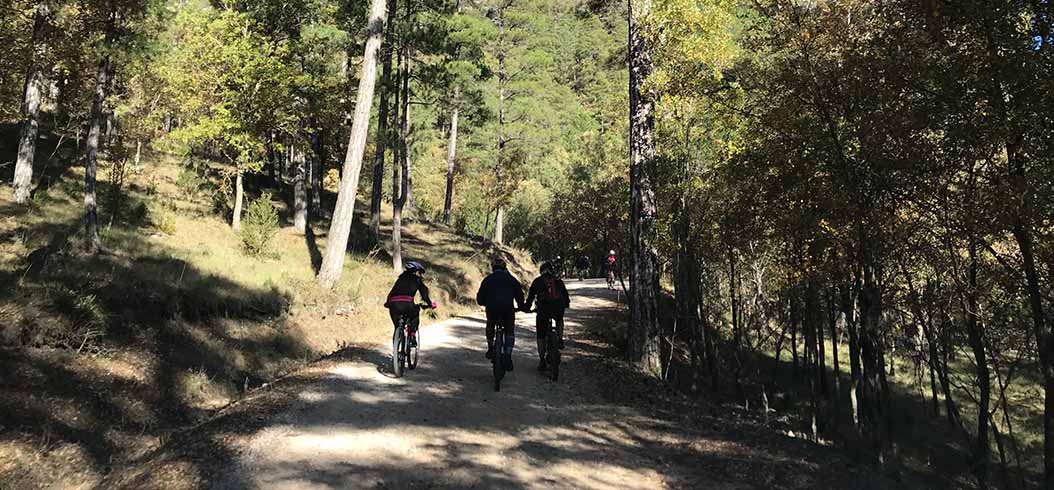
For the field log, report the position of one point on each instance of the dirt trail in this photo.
(443, 426)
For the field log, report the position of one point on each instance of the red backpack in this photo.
(552, 291)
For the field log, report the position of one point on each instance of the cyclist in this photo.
(501, 295)
(400, 302)
(612, 266)
(582, 264)
(552, 301)
(557, 266)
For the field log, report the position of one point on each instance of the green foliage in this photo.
(564, 72)
(190, 182)
(163, 219)
(259, 227)
(80, 321)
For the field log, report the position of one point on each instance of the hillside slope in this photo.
(103, 358)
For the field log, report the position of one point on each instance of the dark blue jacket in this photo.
(499, 291)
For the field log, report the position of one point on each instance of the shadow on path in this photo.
(441, 426)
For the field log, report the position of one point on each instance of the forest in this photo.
(841, 211)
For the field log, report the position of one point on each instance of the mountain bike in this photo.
(551, 346)
(404, 346)
(611, 278)
(498, 362)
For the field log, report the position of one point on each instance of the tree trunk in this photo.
(837, 392)
(954, 417)
(644, 336)
(687, 292)
(1022, 231)
(401, 183)
(409, 204)
(737, 336)
(498, 236)
(687, 296)
(933, 380)
(272, 158)
(821, 347)
(397, 206)
(138, 153)
(814, 334)
(316, 169)
(1044, 341)
(344, 212)
(397, 235)
(98, 112)
(27, 142)
(383, 135)
(451, 158)
(873, 399)
(849, 312)
(977, 344)
(795, 320)
(239, 199)
(111, 123)
(499, 225)
(709, 345)
(299, 190)
(923, 323)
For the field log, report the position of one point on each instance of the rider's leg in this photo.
(509, 320)
(559, 317)
(414, 323)
(541, 324)
(397, 311)
(491, 319)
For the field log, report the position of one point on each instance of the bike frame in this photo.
(499, 351)
(403, 355)
(552, 347)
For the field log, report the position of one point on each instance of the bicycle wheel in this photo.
(552, 354)
(412, 351)
(498, 365)
(398, 351)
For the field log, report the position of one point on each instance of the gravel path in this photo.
(443, 426)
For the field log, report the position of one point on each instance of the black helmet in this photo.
(413, 266)
(497, 263)
(546, 267)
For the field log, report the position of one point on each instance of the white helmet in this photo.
(611, 253)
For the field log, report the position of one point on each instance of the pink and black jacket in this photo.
(404, 291)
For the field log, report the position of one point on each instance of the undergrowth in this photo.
(259, 227)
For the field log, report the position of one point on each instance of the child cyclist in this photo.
(553, 299)
(401, 303)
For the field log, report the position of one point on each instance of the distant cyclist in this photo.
(552, 301)
(501, 295)
(401, 302)
(612, 267)
(582, 264)
(557, 266)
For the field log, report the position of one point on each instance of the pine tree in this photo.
(340, 228)
(27, 143)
